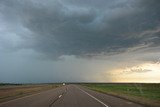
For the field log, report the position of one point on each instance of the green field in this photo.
(147, 94)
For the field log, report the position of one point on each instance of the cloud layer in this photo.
(57, 28)
(91, 37)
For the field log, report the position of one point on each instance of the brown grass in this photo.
(11, 92)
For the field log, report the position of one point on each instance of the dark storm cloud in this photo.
(88, 28)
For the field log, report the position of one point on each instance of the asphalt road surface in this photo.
(69, 96)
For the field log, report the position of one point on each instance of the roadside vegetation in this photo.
(146, 94)
(11, 91)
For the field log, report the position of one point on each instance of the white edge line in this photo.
(20, 98)
(93, 97)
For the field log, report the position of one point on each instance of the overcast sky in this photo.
(79, 41)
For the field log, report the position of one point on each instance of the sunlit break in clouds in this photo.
(79, 41)
(148, 73)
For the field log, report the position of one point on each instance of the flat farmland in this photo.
(144, 93)
(13, 91)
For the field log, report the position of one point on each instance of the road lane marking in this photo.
(55, 100)
(50, 105)
(93, 97)
(60, 96)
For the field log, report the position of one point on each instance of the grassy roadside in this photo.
(146, 94)
(13, 91)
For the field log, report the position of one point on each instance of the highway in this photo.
(69, 96)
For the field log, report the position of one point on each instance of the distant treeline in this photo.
(3, 84)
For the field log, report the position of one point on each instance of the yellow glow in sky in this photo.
(147, 72)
